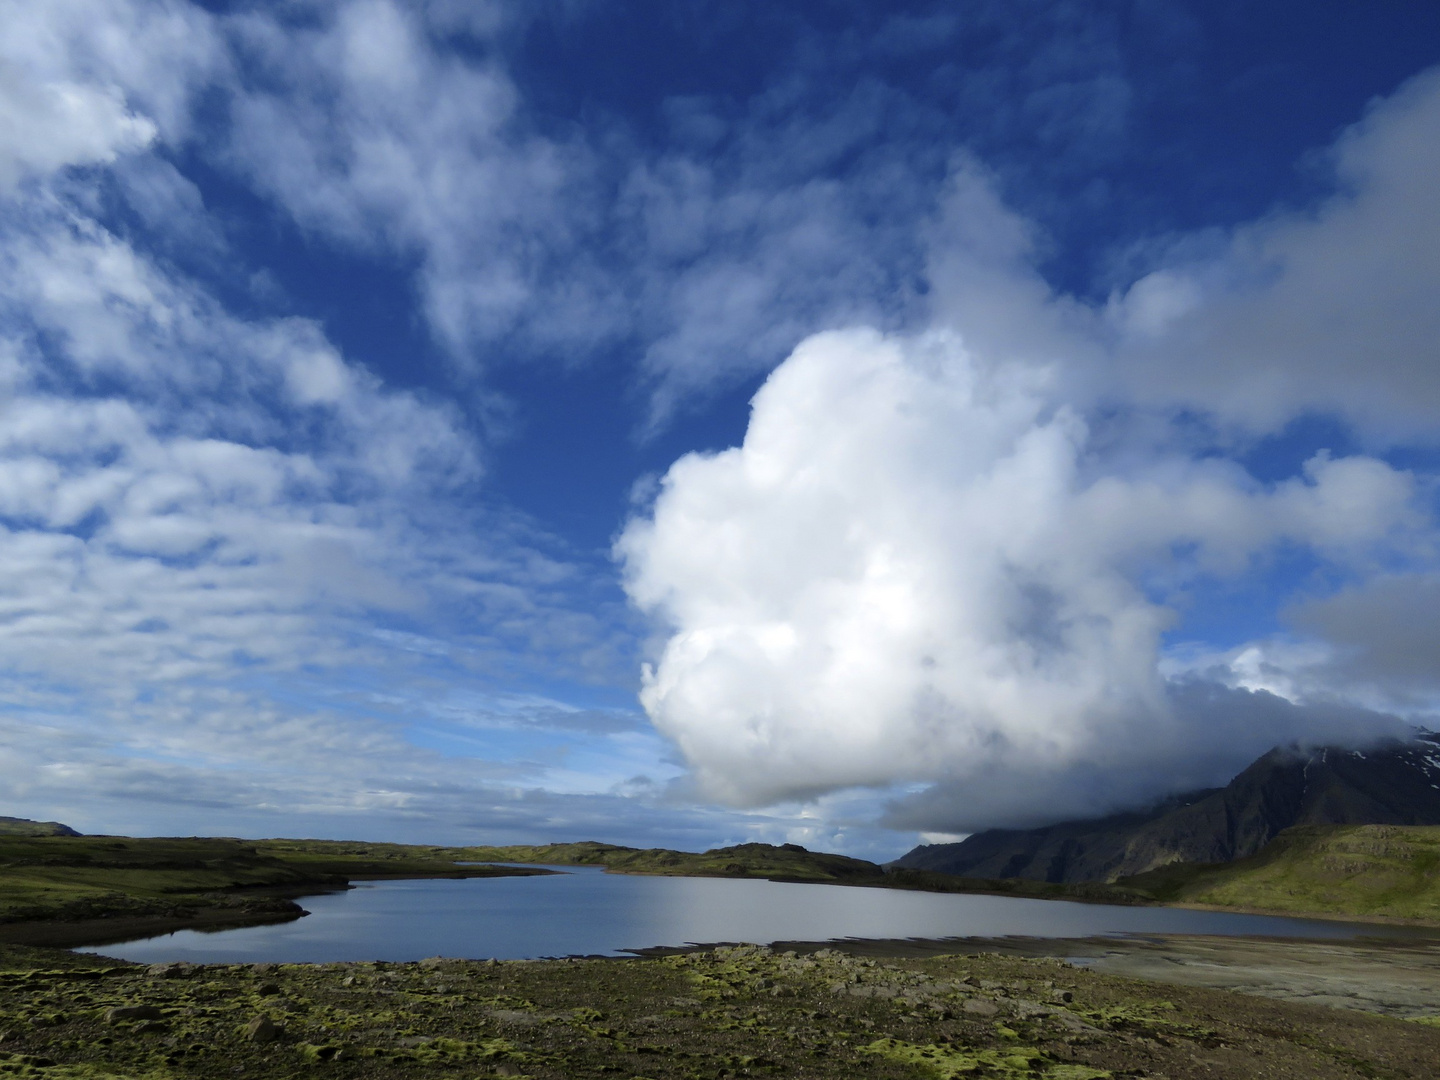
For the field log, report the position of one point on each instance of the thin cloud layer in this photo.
(1330, 311)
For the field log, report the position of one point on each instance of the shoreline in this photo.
(118, 928)
(260, 907)
(730, 1012)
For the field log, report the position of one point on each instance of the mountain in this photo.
(19, 826)
(1395, 783)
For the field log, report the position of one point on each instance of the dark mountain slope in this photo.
(1394, 784)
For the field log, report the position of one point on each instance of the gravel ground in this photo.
(718, 1013)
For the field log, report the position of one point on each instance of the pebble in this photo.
(131, 1012)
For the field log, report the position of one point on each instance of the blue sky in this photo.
(688, 423)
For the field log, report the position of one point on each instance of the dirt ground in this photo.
(719, 1013)
(1394, 978)
(1391, 976)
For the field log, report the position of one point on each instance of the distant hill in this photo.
(19, 826)
(1394, 784)
(1364, 870)
(789, 862)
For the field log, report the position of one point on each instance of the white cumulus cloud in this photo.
(912, 570)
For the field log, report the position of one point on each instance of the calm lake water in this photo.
(586, 911)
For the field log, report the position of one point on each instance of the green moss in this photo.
(947, 1062)
(772, 1014)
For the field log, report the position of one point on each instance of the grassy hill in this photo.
(19, 826)
(788, 862)
(1388, 871)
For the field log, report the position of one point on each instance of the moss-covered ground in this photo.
(723, 1013)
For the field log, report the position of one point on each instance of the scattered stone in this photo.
(168, 971)
(1026, 1009)
(263, 1030)
(121, 1013)
(266, 989)
(980, 1007)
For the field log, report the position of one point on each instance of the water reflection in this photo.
(586, 911)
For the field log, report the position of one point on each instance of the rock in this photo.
(263, 1030)
(121, 1013)
(981, 1007)
(1025, 1009)
(266, 989)
(167, 971)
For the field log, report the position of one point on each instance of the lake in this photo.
(585, 911)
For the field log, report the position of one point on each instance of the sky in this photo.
(687, 423)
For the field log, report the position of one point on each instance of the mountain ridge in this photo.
(1395, 783)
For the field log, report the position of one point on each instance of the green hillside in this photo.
(19, 826)
(1389, 871)
(788, 862)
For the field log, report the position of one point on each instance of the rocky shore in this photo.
(722, 1012)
